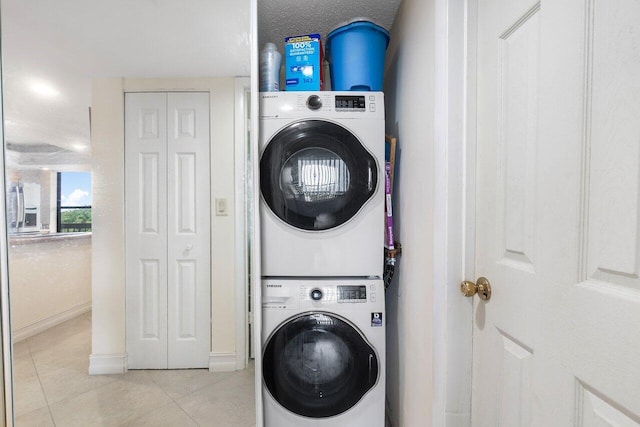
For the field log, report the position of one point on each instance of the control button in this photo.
(316, 294)
(373, 297)
(372, 97)
(373, 288)
(314, 102)
(372, 107)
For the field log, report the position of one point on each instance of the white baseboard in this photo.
(107, 364)
(44, 324)
(222, 362)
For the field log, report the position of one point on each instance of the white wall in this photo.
(108, 331)
(50, 281)
(107, 141)
(410, 90)
(430, 107)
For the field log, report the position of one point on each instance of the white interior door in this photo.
(168, 230)
(558, 196)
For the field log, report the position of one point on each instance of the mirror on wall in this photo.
(51, 54)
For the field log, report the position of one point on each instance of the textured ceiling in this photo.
(278, 19)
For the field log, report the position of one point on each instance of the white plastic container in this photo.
(270, 60)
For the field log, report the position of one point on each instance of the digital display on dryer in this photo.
(352, 293)
(350, 102)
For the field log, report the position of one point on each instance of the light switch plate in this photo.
(221, 207)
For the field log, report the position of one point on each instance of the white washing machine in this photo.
(322, 183)
(323, 352)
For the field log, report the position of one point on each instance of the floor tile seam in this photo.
(78, 395)
(110, 383)
(53, 420)
(195, 390)
(236, 375)
(51, 369)
(194, 393)
(16, 417)
(164, 404)
(86, 353)
(187, 398)
(42, 388)
(44, 393)
(162, 388)
(23, 376)
(38, 373)
(48, 354)
(67, 400)
(238, 384)
(187, 412)
(26, 341)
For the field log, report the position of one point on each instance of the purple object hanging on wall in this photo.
(388, 224)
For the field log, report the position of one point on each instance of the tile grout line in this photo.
(44, 394)
(172, 399)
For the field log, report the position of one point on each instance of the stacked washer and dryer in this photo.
(322, 211)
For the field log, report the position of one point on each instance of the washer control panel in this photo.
(342, 293)
(352, 293)
(291, 295)
(316, 294)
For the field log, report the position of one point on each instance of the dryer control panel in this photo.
(351, 102)
(324, 104)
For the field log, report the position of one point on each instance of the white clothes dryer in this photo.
(322, 184)
(323, 352)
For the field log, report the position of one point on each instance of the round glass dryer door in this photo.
(318, 365)
(316, 175)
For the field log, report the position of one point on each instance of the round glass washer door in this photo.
(318, 365)
(316, 175)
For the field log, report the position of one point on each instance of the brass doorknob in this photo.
(482, 287)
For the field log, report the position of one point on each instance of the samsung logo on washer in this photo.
(273, 286)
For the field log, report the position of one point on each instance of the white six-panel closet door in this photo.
(167, 194)
(189, 230)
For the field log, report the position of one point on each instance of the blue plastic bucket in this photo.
(356, 52)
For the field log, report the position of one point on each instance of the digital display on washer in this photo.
(350, 102)
(352, 293)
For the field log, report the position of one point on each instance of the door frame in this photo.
(241, 126)
(454, 201)
(254, 200)
(6, 342)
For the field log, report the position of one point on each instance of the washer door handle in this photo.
(371, 356)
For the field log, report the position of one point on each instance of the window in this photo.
(74, 202)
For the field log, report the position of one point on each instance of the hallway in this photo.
(52, 388)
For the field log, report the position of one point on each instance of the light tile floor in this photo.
(52, 388)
